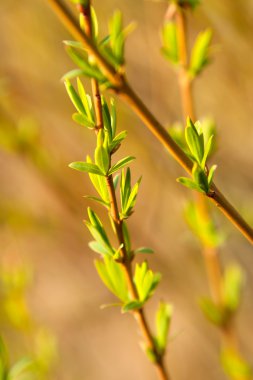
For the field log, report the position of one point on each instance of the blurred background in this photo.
(50, 292)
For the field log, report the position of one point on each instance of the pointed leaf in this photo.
(85, 167)
(120, 164)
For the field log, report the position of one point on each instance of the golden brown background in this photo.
(41, 199)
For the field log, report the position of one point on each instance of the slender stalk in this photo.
(210, 254)
(118, 222)
(127, 93)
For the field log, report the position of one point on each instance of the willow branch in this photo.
(118, 222)
(126, 92)
(210, 254)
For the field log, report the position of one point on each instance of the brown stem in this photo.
(118, 222)
(148, 118)
(184, 81)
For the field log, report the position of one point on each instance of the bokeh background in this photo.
(43, 240)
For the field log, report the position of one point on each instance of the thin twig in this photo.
(127, 93)
(118, 222)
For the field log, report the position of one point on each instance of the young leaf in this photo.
(200, 52)
(120, 164)
(97, 231)
(144, 250)
(85, 100)
(195, 141)
(85, 167)
(126, 238)
(116, 181)
(102, 159)
(170, 43)
(74, 97)
(146, 281)
(83, 120)
(213, 312)
(72, 74)
(132, 305)
(113, 277)
(235, 366)
(163, 320)
(94, 23)
(208, 149)
(98, 200)
(232, 286)
(200, 178)
(187, 182)
(99, 248)
(211, 174)
(81, 61)
(132, 198)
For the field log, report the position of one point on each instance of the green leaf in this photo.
(99, 248)
(132, 198)
(83, 120)
(208, 150)
(106, 118)
(113, 117)
(97, 231)
(195, 141)
(211, 174)
(200, 52)
(85, 167)
(214, 313)
(81, 61)
(74, 97)
(163, 321)
(144, 250)
(116, 37)
(102, 159)
(94, 23)
(232, 287)
(72, 74)
(235, 366)
(99, 182)
(170, 42)
(125, 188)
(116, 181)
(74, 44)
(187, 182)
(126, 238)
(98, 200)
(120, 164)
(146, 281)
(86, 101)
(200, 178)
(113, 277)
(151, 354)
(117, 140)
(132, 305)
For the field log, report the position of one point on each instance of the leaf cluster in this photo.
(200, 53)
(199, 151)
(112, 47)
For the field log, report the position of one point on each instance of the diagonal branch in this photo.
(127, 93)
